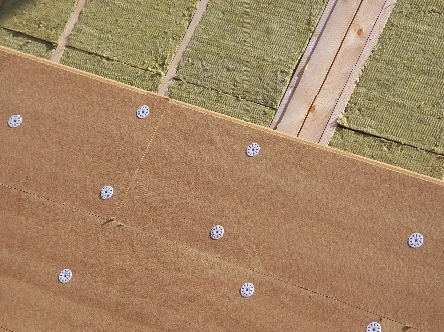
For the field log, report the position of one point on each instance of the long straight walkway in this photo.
(344, 40)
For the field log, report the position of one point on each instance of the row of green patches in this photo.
(221, 102)
(248, 49)
(389, 152)
(111, 69)
(26, 44)
(42, 19)
(400, 95)
(141, 33)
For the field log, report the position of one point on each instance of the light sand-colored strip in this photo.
(303, 62)
(67, 32)
(182, 47)
(346, 60)
(317, 68)
(354, 76)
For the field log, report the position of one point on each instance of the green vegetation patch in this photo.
(404, 156)
(249, 49)
(111, 69)
(400, 96)
(25, 44)
(42, 19)
(221, 103)
(141, 33)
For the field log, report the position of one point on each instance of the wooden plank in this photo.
(76, 136)
(354, 77)
(303, 63)
(67, 32)
(346, 60)
(182, 47)
(343, 234)
(125, 280)
(318, 66)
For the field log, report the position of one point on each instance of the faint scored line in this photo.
(119, 207)
(67, 32)
(189, 248)
(182, 47)
(53, 201)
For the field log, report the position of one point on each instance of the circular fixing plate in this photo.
(217, 232)
(416, 240)
(65, 276)
(253, 149)
(374, 327)
(106, 192)
(14, 121)
(143, 111)
(247, 289)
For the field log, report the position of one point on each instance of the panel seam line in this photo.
(53, 201)
(264, 274)
(139, 165)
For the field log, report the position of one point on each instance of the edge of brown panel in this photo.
(225, 117)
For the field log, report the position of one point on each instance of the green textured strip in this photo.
(26, 44)
(142, 33)
(407, 157)
(400, 94)
(111, 69)
(249, 49)
(42, 19)
(221, 103)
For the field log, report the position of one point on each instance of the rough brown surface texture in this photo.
(294, 208)
(77, 135)
(321, 234)
(124, 280)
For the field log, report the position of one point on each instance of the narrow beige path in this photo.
(339, 73)
(318, 66)
(182, 47)
(67, 32)
(330, 125)
(303, 62)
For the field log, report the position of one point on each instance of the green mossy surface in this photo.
(142, 33)
(26, 44)
(221, 103)
(249, 49)
(42, 19)
(400, 95)
(376, 148)
(111, 69)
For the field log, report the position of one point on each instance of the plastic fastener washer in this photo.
(106, 192)
(143, 111)
(374, 327)
(15, 121)
(247, 289)
(253, 149)
(217, 232)
(65, 276)
(416, 240)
